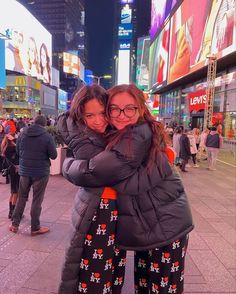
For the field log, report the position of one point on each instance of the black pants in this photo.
(161, 270)
(39, 186)
(102, 266)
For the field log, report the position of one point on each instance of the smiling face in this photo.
(123, 101)
(94, 116)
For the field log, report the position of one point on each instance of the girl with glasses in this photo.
(154, 218)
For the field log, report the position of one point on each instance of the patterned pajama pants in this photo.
(161, 271)
(102, 266)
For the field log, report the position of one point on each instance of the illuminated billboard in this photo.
(125, 31)
(123, 67)
(71, 63)
(29, 49)
(2, 65)
(142, 62)
(125, 45)
(62, 100)
(160, 11)
(158, 58)
(126, 14)
(196, 35)
(126, 1)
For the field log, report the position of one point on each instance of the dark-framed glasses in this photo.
(129, 111)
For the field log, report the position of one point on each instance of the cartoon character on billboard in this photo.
(14, 52)
(218, 31)
(33, 60)
(45, 68)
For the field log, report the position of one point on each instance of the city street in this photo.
(32, 265)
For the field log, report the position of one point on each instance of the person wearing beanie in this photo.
(35, 147)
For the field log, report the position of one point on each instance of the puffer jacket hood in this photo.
(34, 130)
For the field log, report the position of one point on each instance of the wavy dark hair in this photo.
(159, 136)
(82, 96)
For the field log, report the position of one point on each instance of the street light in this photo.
(98, 78)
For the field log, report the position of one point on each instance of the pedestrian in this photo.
(2, 134)
(214, 142)
(193, 147)
(184, 152)
(10, 163)
(35, 146)
(20, 124)
(202, 145)
(176, 144)
(142, 210)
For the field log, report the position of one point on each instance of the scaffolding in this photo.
(210, 92)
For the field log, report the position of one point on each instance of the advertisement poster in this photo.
(160, 11)
(2, 65)
(158, 58)
(29, 49)
(142, 62)
(200, 29)
(71, 63)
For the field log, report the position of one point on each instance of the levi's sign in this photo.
(197, 100)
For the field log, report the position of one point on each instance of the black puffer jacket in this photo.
(35, 146)
(153, 208)
(84, 143)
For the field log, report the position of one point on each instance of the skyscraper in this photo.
(132, 20)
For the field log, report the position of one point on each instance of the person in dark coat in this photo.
(185, 152)
(10, 162)
(153, 211)
(35, 146)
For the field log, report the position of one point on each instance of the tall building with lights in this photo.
(132, 20)
(64, 19)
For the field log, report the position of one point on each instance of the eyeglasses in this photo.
(129, 111)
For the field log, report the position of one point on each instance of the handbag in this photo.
(5, 169)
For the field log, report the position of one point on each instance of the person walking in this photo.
(10, 162)
(149, 204)
(214, 142)
(176, 144)
(185, 152)
(202, 145)
(35, 146)
(193, 147)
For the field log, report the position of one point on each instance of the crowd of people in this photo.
(130, 194)
(194, 145)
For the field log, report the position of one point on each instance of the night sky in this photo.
(99, 24)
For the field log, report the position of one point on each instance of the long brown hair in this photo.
(82, 96)
(6, 142)
(159, 136)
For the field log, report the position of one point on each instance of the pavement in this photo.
(32, 265)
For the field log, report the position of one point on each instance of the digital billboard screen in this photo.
(158, 58)
(159, 12)
(125, 31)
(2, 65)
(62, 100)
(71, 63)
(142, 62)
(126, 14)
(199, 31)
(29, 49)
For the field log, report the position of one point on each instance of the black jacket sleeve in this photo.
(111, 167)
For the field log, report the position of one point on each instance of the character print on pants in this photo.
(161, 270)
(102, 265)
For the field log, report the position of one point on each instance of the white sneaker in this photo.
(188, 165)
(196, 165)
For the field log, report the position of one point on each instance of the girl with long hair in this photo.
(10, 159)
(154, 217)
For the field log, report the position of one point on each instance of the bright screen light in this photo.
(29, 49)
(123, 67)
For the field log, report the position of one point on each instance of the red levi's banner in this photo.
(197, 100)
